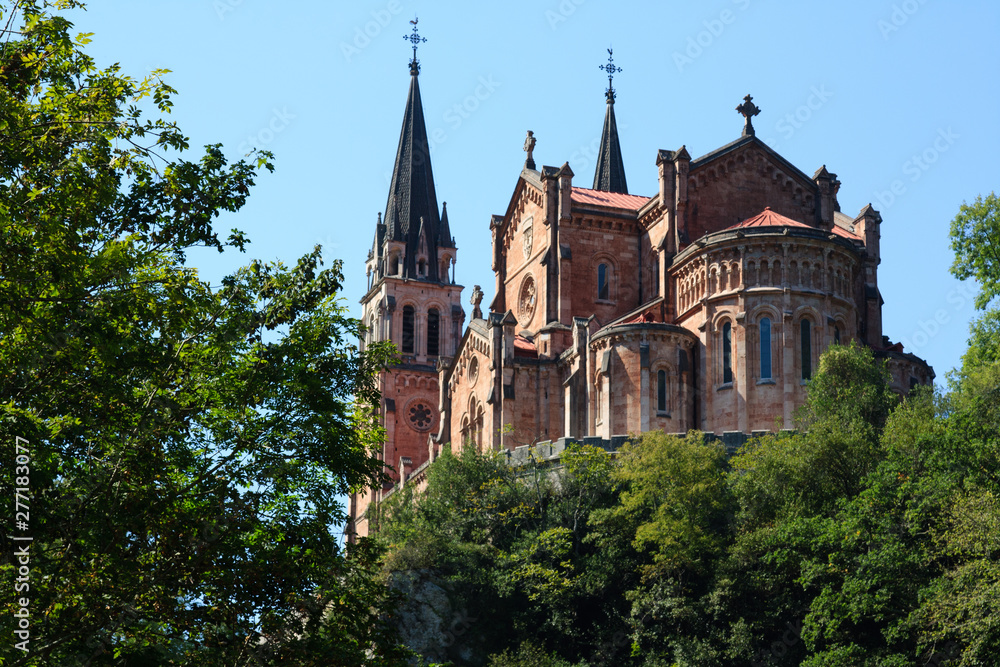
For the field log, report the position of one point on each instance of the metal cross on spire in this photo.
(414, 39)
(748, 109)
(611, 69)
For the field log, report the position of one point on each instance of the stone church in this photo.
(704, 305)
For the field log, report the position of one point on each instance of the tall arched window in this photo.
(805, 330)
(727, 353)
(765, 348)
(598, 399)
(655, 275)
(433, 332)
(407, 329)
(603, 288)
(661, 391)
(836, 335)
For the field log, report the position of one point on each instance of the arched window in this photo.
(727, 353)
(765, 348)
(655, 274)
(603, 289)
(433, 332)
(661, 391)
(805, 330)
(407, 329)
(598, 398)
(836, 335)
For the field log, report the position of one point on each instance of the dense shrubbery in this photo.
(869, 537)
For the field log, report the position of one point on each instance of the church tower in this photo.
(412, 298)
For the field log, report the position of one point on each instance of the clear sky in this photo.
(898, 97)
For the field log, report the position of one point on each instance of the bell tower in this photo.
(412, 298)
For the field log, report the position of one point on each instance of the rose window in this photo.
(421, 416)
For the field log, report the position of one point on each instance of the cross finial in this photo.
(611, 69)
(749, 110)
(414, 39)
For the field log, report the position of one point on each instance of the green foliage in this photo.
(674, 492)
(975, 238)
(514, 544)
(868, 537)
(527, 655)
(187, 442)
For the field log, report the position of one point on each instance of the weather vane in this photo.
(414, 39)
(611, 69)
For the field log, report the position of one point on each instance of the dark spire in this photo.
(609, 176)
(411, 192)
(444, 239)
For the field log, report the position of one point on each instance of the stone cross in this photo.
(748, 109)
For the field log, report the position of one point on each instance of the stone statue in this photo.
(477, 298)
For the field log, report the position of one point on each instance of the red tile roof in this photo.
(642, 318)
(768, 218)
(524, 347)
(610, 199)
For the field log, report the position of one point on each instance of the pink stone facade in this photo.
(703, 306)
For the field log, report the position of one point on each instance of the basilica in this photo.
(704, 305)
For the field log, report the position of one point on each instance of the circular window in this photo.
(473, 370)
(526, 300)
(420, 415)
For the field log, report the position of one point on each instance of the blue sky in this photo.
(898, 98)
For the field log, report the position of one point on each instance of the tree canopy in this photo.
(185, 443)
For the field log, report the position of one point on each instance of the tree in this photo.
(184, 444)
(975, 238)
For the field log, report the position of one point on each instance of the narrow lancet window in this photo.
(806, 350)
(602, 282)
(407, 346)
(765, 349)
(433, 332)
(661, 391)
(727, 353)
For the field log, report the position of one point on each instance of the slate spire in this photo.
(609, 175)
(411, 191)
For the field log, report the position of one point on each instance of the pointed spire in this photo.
(444, 239)
(609, 175)
(411, 191)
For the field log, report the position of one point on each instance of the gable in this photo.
(739, 181)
